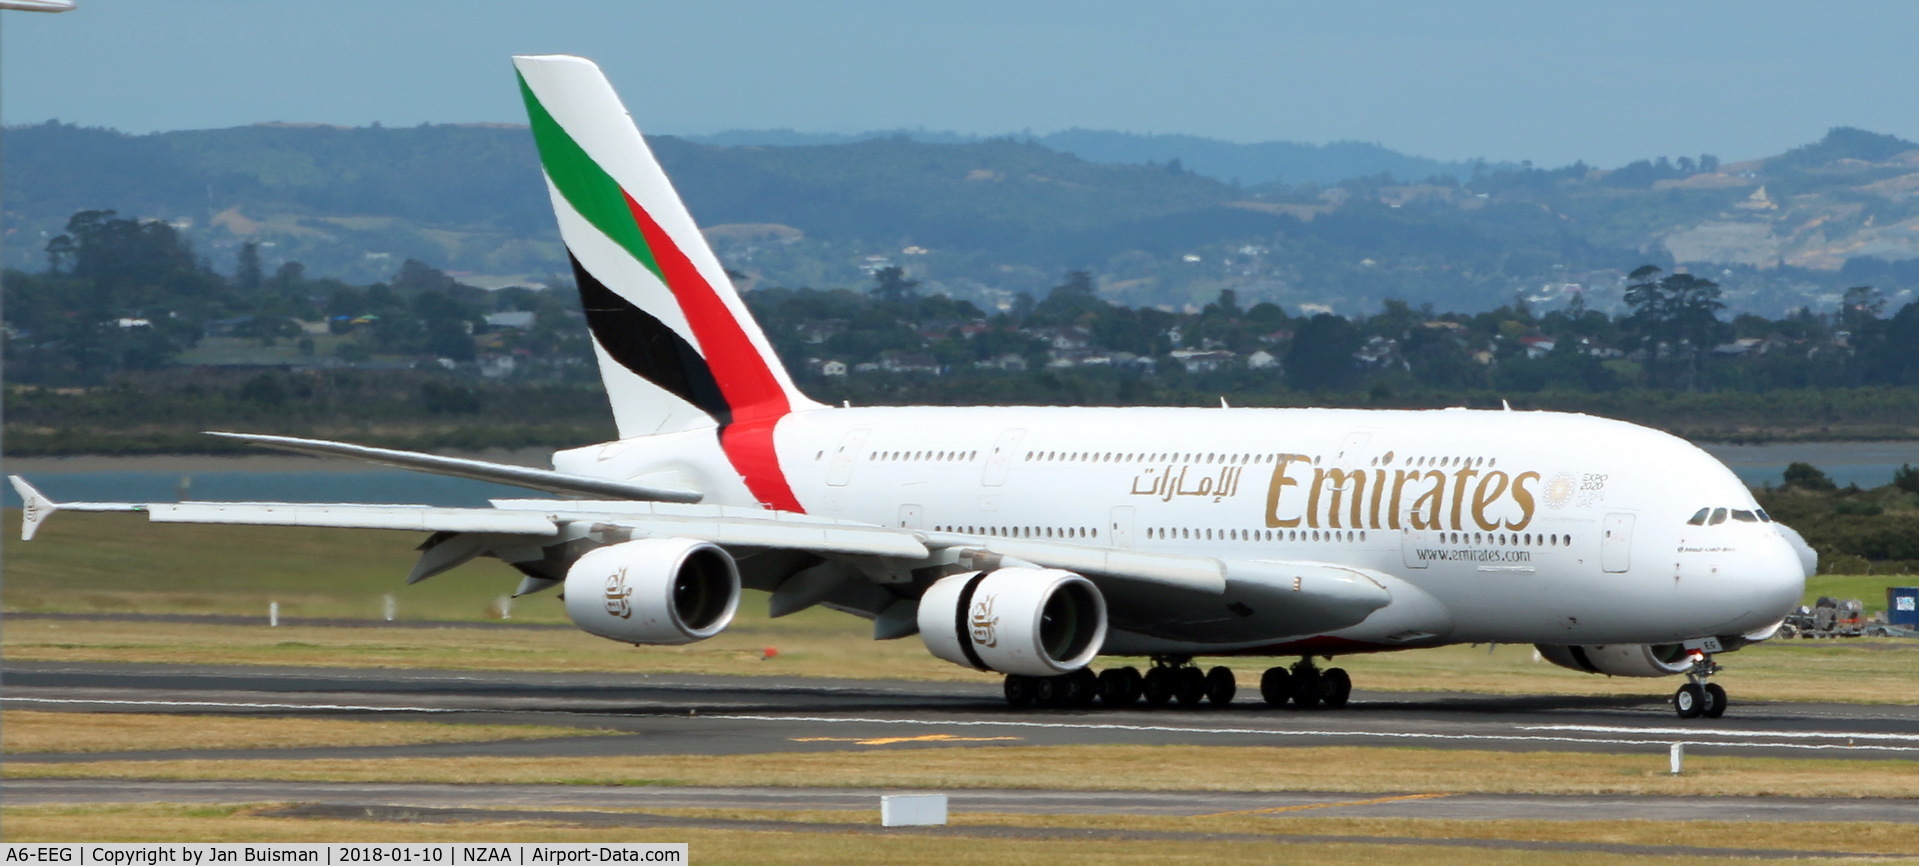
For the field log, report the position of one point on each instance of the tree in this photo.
(1321, 356)
(1676, 318)
(890, 284)
(247, 275)
(1808, 477)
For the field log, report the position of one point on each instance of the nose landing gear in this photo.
(1698, 697)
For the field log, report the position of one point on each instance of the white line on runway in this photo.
(1722, 732)
(1400, 735)
(1071, 726)
(250, 706)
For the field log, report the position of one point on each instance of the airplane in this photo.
(1029, 541)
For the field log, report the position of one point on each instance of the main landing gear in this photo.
(1175, 679)
(1697, 697)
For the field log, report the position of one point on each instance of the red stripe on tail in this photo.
(750, 387)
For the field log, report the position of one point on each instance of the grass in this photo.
(1865, 837)
(1868, 588)
(1124, 767)
(168, 823)
(820, 643)
(28, 732)
(114, 563)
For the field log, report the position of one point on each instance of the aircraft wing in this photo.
(544, 480)
(1133, 578)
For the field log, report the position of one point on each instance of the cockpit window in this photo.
(1700, 518)
(1763, 516)
(1745, 516)
(1718, 517)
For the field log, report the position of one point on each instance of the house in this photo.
(521, 319)
(1261, 360)
(833, 368)
(1201, 361)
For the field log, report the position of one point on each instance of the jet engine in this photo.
(654, 591)
(1034, 621)
(1620, 660)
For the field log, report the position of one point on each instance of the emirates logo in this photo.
(619, 596)
(984, 624)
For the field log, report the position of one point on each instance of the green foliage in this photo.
(1808, 477)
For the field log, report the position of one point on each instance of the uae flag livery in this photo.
(676, 347)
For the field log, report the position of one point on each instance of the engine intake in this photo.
(1620, 660)
(1034, 621)
(654, 591)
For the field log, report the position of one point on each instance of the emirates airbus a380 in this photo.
(1028, 541)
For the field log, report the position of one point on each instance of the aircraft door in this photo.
(1000, 459)
(840, 470)
(1122, 527)
(910, 516)
(1615, 546)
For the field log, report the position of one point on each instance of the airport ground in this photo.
(139, 712)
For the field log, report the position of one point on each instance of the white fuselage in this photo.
(1523, 527)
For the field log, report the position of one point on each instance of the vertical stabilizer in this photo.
(676, 346)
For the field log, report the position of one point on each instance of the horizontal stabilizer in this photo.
(545, 480)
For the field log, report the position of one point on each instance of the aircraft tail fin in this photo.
(676, 346)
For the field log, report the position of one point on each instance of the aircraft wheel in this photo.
(1276, 686)
(1019, 691)
(1306, 689)
(1689, 701)
(1114, 688)
(1335, 687)
(1220, 685)
(1715, 702)
(1189, 686)
(1051, 692)
(1157, 686)
(1085, 688)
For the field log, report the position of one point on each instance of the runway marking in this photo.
(1306, 806)
(1722, 732)
(1279, 732)
(239, 705)
(1083, 726)
(888, 741)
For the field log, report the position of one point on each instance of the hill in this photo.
(988, 219)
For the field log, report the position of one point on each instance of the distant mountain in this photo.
(987, 219)
(1249, 164)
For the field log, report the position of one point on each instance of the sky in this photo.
(1604, 82)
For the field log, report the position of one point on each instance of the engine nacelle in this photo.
(1034, 621)
(1620, 660)
(654, 591)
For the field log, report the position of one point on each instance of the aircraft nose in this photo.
(1776, 575)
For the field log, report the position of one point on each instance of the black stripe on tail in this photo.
(647, 347)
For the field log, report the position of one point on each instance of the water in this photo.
(376, 485)
(1867, 464)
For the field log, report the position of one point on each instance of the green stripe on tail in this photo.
(587, 187)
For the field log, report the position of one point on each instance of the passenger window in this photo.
(1745, 516)
(1718, 517)
(1699, 519)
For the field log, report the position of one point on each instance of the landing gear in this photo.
(1120, 687)
(1305, 686)
(1175, 679)
(1698, 697)
(1170, 679)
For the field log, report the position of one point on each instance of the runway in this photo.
(685, 714)
(682, 714)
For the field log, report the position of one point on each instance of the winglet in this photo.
(35, 507)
